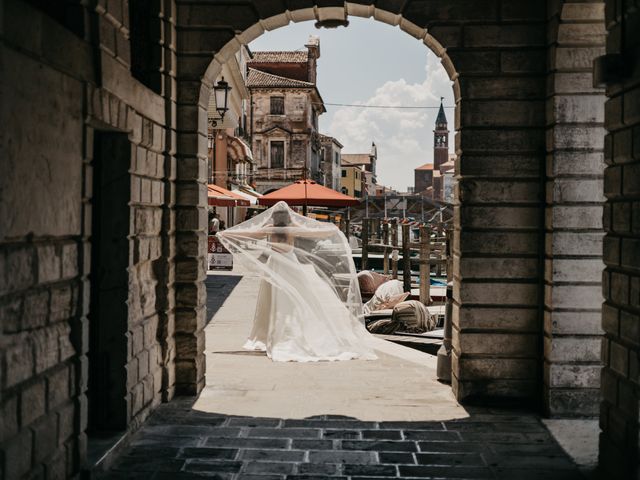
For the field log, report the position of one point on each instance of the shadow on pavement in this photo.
(179, 443)
(219, 287)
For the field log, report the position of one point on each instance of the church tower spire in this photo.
(440, 139)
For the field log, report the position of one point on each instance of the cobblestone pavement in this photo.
(388, 418)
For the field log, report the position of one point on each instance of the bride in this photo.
(309, 307)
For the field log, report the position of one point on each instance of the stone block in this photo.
(583, 11)
(567, 403)
(19, 269)
(497, 318)
(571, 190)
(49, 268)
(11, 314)
(58, 387)
(33, 402)
(489, 191)
(529, 61)
(506, 268)
(573, 323)
(18, 362)
(489, 88)
(586, 34)
(499, 243)
(503, 344)
(500, 165)
(574, 217)
(45, 433)
(575, 243)
(496, 36)
(497, 217)
(572, 376)
(70, 260)
(493, 368)
(574, 296)
(45, 347)
(35, 309)
(578, 108)
(619, 358)
(576, 58)
(575, 137)
(20, 450)
(572, 349)
(576, 270)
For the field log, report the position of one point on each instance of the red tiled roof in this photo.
(356, 158)
(426, 166)
(257, 78)
(279, 57)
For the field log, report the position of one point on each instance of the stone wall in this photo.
(573, 220)
(619, 441)
(63, 83)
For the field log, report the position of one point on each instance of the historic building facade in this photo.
(366, 162)
(545, 228)
(285, 106)
(331, 155)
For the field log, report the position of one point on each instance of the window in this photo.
(344, 173)
(277, 105)
(277, 154)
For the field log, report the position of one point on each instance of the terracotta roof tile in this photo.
(257, 78)
(426, 166)
(279, 57)
(356, 158)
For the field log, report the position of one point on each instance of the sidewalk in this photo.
(257, 419)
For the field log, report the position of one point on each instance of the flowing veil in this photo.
(297, 243)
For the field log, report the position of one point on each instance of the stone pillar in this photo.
(573, 220)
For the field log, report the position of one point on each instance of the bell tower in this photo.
(440, 139)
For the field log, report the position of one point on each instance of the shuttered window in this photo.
(277, 105)
(277, 154)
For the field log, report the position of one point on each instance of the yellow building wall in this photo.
(352, 181)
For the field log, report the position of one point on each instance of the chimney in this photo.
(313, 48)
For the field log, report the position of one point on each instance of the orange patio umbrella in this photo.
(308, 192)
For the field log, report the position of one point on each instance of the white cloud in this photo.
(404, 137)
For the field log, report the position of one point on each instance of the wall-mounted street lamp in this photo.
(221, 91)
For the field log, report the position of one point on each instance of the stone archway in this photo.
(500, 143)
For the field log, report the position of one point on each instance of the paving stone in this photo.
(142, 440)
(396, 457)
(274, 455)
(149, 464)
(284, 432)
(256, 422)
(311, 444)
(379, 470)
(432, 435)
(342, 434)
(350, 424)
(247, 442)
(452, 447)
(382, 434)
(204, 452)
(382, 446)
(213, 466)
(269, 467)
(249, 476)
(452, 458)
(340, 456)
(318, 468)
(412, 425)
(444, 471)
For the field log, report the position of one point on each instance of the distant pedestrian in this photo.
(214, 224)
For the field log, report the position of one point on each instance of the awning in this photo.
(252, 200)
(221, 197)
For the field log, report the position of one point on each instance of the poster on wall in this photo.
(219, 257)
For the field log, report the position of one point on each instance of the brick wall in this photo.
(573, 223)
(621, 279)
(53, 104)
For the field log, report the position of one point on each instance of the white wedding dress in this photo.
(308, 307)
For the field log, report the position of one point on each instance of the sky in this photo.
(373, 63)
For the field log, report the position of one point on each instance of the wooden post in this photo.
(365, 244)
(385, 241)
(394, 244)
(406, 258)
(425, 264)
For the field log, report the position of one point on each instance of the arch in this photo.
(497, 310)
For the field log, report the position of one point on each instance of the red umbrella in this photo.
(308, 192)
